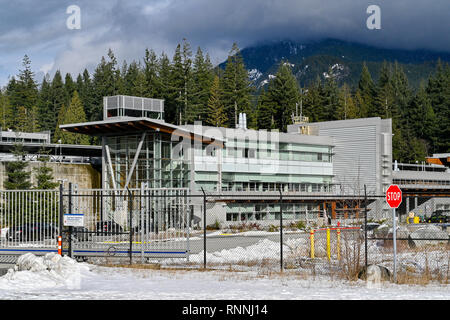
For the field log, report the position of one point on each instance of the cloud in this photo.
(128, 27)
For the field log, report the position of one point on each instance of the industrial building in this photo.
(321, 159)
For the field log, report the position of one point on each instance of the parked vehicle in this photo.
(108, 227)
(82, 234)
(143, 227)
(439, 216)
(33, 231)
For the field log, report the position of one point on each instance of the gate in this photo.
(29, 221)
(145, 223)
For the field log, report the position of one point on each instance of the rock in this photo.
(381, 231)
(428, 235)
(375, 273)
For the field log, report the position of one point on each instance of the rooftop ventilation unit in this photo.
(242, 121)
(128, 106)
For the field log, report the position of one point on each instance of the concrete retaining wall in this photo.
(82, 174)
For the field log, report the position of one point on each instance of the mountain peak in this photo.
(314, 58)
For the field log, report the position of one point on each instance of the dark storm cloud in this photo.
(128, 27)
(404, 23)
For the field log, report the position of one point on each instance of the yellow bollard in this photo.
(339, 244)
(328, 244)
(311, 238)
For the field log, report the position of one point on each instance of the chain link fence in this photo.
(312, 235)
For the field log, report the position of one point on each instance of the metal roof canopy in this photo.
(129, 125)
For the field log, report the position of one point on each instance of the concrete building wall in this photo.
(82, 174)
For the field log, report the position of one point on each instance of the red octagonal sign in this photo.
(393, 196)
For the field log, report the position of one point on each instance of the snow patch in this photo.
(289, 64)
(48, 271)
(254, 74)
(336, 70)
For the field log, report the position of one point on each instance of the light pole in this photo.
(60, 150)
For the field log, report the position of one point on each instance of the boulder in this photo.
(381, 231)
(428, 235)
(386, 232)
(375, 273)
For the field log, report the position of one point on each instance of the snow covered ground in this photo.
(61, 278)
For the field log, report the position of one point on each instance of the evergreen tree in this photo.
(26, 118)
(203, 77)
(69, 87)
(330, 97)
(74, 113)
(282, 95)
(58, 98)
(265, 112)
(383, 105)
(130, 74)
(346, 105)
(23, 93)
(5, 111)
(366, 89)
(176, 86)
(361, 105)
(422, 119)
(216, 113)
(17, 176)
(140, 85)
(313, 104)
(401, 96)
(438, 91)
(86, 92)
(235, 88)
(105, 83)
(152, 75)
(187, 80)
(45, 108)
(166, 90)
(44, 174)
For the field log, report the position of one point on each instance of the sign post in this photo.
(394, 199)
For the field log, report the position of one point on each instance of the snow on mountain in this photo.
(254, 74)
(336, 71)
(289, 64)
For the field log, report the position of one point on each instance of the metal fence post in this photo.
(365, 227)
(70, 227)
(130, 210)
(61, 210)
(204, 228)
(281, 230)
(394, 239)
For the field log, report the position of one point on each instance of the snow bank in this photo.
(48, 271)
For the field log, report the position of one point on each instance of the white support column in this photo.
(136, 156)
(111, 172)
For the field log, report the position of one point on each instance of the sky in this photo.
(40, 29)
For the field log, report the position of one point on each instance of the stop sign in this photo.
(393, 196)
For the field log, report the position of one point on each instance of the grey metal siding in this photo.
(355, 159)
